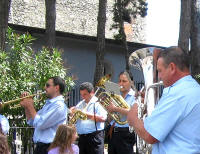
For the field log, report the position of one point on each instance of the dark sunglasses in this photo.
(48, 85)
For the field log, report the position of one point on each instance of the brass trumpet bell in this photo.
(3, 104)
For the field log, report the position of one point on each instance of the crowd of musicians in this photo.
(172, 128)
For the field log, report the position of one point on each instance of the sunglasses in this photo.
(48, 85)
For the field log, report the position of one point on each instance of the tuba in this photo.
(146, 60)
(105, 96)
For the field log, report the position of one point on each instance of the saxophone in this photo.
(78, 114)
(145, 60)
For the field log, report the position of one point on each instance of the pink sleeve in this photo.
(75, 149)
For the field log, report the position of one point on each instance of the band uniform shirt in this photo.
(46, 121)
(175, 121)
(88, 126)
(4, 124)
(130, 99)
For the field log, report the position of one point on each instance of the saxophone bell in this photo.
(77, 114)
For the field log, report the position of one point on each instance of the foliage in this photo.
(197, 77)
(21, 69)
(130, 9)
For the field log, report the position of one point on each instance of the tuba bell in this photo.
(146, 60)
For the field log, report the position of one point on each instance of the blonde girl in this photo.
(63, 141)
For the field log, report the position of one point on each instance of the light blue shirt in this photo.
(130, 99)
(175, 121)
(88, 126)
(4, 124)
(46, 121)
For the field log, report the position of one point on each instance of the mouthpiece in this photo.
(121, 87)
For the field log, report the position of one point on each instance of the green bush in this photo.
(197, 77)
(22, 69)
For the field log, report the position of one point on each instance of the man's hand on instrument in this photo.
(111, 107)
(72, 109)
(27, 102)
(141, 95)
(132, 114)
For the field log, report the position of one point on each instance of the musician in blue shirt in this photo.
(46, 120)
(120, 139)
(4, 125)
(173, 127)
(91, 131)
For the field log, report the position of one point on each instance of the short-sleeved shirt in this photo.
(175, 121)
(56, 150)
(88, 126)
(130, 99)
(4, 124)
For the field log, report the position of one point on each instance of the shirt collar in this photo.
(130, 93)
(60, 97)
(92, 100)
(188, 77)
(167, 89)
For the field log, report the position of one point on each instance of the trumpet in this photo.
(3, 104)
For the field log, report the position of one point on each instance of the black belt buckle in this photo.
(120, 129)
(41, 144)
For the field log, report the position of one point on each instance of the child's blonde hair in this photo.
(64, 138)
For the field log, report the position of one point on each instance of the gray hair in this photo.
(175, 55)
(87, 86)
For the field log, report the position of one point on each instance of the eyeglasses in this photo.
(48, 85)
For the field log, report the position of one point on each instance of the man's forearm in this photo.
(97, 117)
(30, 112)
(122, 110)
(138, 125)
(28, 116)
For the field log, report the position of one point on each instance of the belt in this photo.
(120, 129)
(93, 133)
(42, 144)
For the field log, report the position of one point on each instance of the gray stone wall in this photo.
(79, 17)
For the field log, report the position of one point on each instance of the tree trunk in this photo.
(123, 35)
(185, 25)
(195, 37)
(99, 71)
(4, 13)
(50, 33)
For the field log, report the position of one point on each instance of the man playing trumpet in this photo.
(46, 120)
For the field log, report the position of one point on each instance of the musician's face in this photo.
(124, 82)
(50, 89)
(85, 95)
(164, 72)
